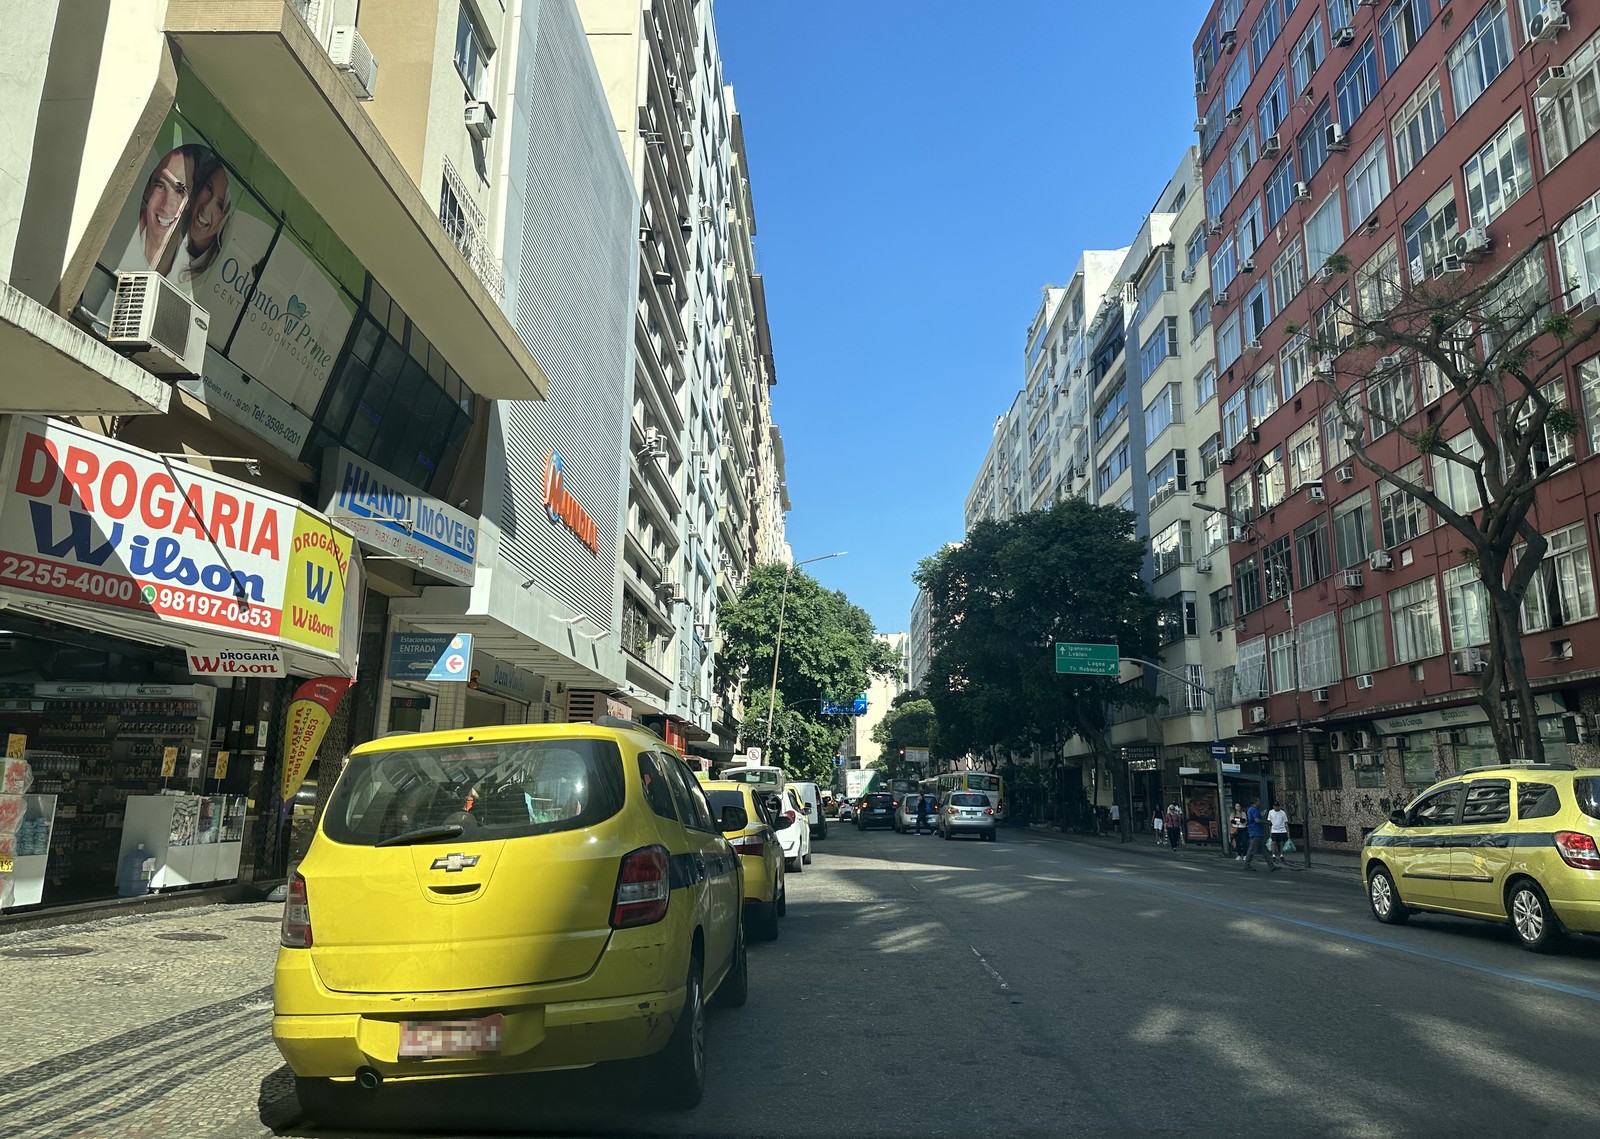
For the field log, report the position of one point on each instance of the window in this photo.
(1367, 182)
(1571, 118)
(1280, 190)
(1332, 323)
(1173, 625)
(657, 790)
(1365, 650)
(1418, 126)
(1467, 604)
(1282, 666)
(1212, 535)
(1222, 608)
(1437, 809)
(1378, 285)
(1309, 52)
(471, 58)
(1241, 498)
(1274, 107)
(1563, 590)
(1357, 84)
(1352, 532)
(1454, 482)
(1335, 437)
(1199, 317)
(1516, 305)
(1319, 651)
(1277, 569)
(1172, 547)
(1294, 364)
(1552, 448)
(1238, 80)
(1313, 551)
(1312, 142)
(1111, 411)
(1414, 611)
(1168, 477)
(1324, 232)
(1401, 516)
(1428, 234)
(1488, 802)
(1498, 174)
(1224, 266)
(1158, 282)
(1205, 59)
(1400, 27)
(1481, 53)
(1162, 343)
(1305, 455)
(1246, 590)
(1288, 274)
(1243, 155)
(1537, 800)
(1219, 192)
(1264, 32)
(1235, 418)
(1163, 411)
(1263, 396)
(1257, 311)
(1391, 398)
(1249, 230)
(1205, 384)
(1229, 345)
(1589, 394)
(1341, 13)
(1250, 673)
(1578, 252)
(1110, 470)
(1195, 247)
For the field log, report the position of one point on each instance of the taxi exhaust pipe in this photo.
(368, 1079)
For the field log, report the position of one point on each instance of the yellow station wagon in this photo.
(766, 898)
(1513, 843)
(506, 900)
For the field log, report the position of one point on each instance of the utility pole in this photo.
(1299, 723)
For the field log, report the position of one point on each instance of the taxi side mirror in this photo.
(734, 818)
(1398, 818)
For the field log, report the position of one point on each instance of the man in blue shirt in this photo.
(1255, 826)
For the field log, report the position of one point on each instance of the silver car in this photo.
(966, 812)
(905, 818)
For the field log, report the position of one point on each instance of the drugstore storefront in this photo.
(154, 616)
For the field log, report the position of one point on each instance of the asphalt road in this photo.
(1033, 986)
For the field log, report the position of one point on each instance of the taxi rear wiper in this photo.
(423, 834)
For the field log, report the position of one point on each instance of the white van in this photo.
(811, 796)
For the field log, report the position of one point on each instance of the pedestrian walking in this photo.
(1158, 823)
(1255, 825)
(1174, 823)
(1236, 833)
(1278, 827)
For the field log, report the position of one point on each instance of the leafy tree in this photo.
(910, 724)
(828, 651)
(1492, 344)
(1004, 597)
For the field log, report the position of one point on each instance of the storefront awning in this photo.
(272, 76)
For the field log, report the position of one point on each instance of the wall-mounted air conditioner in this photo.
(1380, 561)
(1350, 579)
(1344, 37)
(1315, 493)
(1364, 680)
(350, 54)
(1320, 695)
(1302, 191)
(1548, 22)
(1258, 716)
(1464, 662)
(480, 119)
(1202, 565)
(1335, 138)
(1346, 473)
(1271, 147)
(157, 327)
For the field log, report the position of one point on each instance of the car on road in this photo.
(810, 796)
(875, 809)
(966, 812)
(788, 817)
(905, 814)
(765, 898)
(509, 899)
(847, 811)
(1512, 843)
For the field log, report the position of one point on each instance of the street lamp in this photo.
(777, 645)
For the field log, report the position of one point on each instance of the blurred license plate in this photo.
(880, 810)
(421, 1039)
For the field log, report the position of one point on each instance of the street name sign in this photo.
(1085, 659)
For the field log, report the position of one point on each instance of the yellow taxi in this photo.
(1513, 843)
(765, 898)
(506, 900)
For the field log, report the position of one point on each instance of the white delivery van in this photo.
(811, 796)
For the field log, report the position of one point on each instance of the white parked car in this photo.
(789, 820)
(811, 799)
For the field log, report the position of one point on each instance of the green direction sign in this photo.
(1086, 660)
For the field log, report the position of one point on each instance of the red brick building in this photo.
(1409, 140)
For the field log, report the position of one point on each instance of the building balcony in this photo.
(72, 372)
(273, 76)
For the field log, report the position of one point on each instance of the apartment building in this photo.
(1349, 149)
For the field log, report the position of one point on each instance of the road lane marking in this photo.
(990, 969)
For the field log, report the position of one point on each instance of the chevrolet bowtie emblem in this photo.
(451, 863)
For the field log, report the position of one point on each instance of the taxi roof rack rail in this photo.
(1519, 763)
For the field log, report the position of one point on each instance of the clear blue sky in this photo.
(921, 169)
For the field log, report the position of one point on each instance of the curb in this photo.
(1202, 855)
(82, 913)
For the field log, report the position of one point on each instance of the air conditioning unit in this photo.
(1548, 22)
(1450, 263)
(1320, 695)
(1465, 662)
(1200, 87)
(157, 327)
(1302, 191)
(1202, 565)
(1323, 366)
(1238, 534)
(1258, 716)
(1229, 39)
(654, 439)
(1271, 147)
(1346, 473)
(1362, 741)
(1556, 80)
(1255, 435)
(1201, 124)
(1214, 227)
(480, 119)
(670, 592)
(1198, 486)
(1225, 455)
(1186, 276)
(1385, 363)
(1364, 681)
(705, 466)
(687, 139)
(1315, 493)
(1350, 579)
(1335, 138)
(350, 54)
(1252, 346)
(691, 531)
(1338, 741)
(1235, 114)
(1475, 240)
(1220, 297)
(1325, 273)
(1248, 265)
(1344, 37)
(1379, 561)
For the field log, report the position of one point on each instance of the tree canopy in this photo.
(828, 651)
(1001, 601)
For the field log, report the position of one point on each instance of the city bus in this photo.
(991, 785)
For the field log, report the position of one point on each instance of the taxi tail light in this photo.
(296, 930)
(643, 889)
(752, 845)
(1578, 850)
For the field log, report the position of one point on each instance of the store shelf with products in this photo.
(193, 839)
